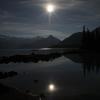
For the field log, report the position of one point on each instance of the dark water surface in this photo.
(70, 74)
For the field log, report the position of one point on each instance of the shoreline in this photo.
(8, 93)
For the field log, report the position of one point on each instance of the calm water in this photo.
(71, 75)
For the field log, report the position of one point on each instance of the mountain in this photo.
(97, 29)
(73, 41)
(47, 42)
(7, 42)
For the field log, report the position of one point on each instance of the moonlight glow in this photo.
(50, 8)
(51, 87)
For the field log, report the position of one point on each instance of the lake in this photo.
(67, 75)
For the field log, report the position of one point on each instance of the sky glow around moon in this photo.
(50, 8)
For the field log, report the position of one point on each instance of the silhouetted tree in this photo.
(90, 40)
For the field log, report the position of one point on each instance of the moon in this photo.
(51, 87)
(50, 8)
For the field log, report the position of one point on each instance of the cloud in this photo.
(30, 30)
(27, 17)
(5, 14)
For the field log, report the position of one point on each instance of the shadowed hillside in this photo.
(86, 40)
(7, 42)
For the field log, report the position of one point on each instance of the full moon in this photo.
(51, 87)
(50, 8)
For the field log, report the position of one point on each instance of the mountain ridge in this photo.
(8, 42)
(75, 40)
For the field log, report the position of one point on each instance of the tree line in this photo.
(90, 40)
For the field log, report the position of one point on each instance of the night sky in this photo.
(28, 18)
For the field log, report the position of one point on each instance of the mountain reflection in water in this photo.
(90, 61)
(55, 75)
